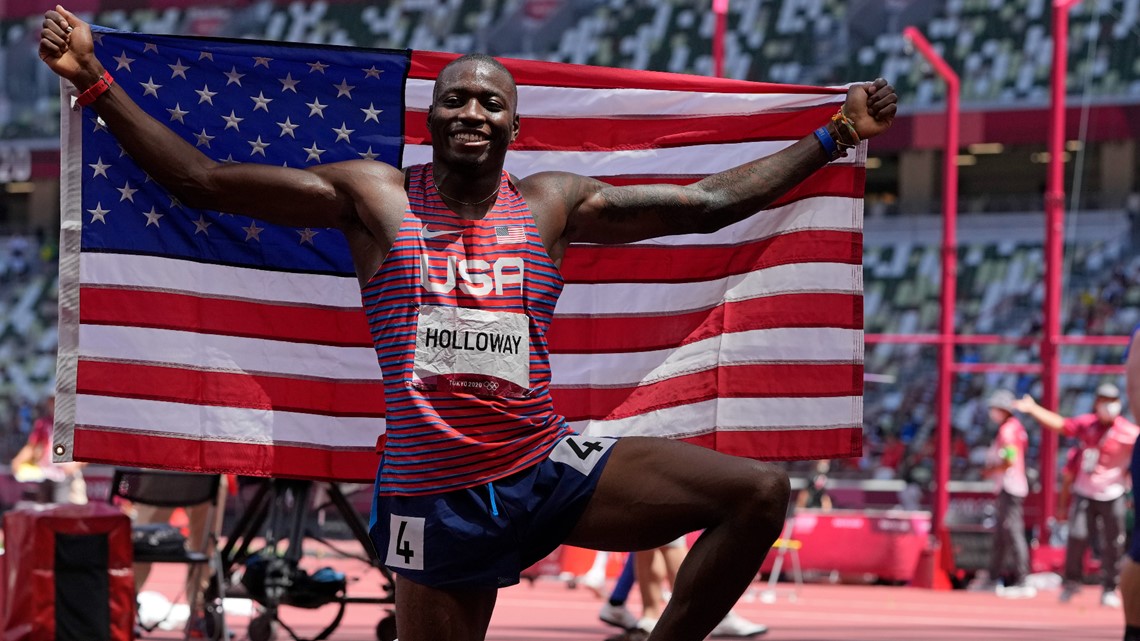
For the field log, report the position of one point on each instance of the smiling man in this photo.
(458, 264)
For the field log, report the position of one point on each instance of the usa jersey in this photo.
(458, 313)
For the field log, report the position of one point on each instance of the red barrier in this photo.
(885, 543)
(67, 573)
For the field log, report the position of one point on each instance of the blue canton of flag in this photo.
(237, 101)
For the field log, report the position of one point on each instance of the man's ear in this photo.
(515, 128)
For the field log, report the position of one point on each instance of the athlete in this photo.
(458, 267)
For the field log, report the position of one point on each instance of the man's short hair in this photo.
(478, 58)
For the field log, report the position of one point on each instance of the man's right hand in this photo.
(66, 47)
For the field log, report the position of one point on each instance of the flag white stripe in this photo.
(621, 299)
(608, 298)
(733, 414)
(226, 353)
(157, 273)
(693, 159)
(171, 274)
(233, 424)
(230, 354)
(798, 345)
(574, 102)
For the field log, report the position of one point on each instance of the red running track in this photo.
(550, 611)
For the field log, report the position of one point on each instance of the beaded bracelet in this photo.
(94, 91)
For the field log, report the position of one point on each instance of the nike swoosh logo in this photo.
(435, 233)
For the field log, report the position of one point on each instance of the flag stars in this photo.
(261, 102)
(233, 77)
(259, 61)
(203, 139)
(150, 46)
(150, 88)
(287, 128)
(97, 37)
(177, 113)
(124, 62)
(253, 231)
(229, 160)
(316, 108)
(201, 226)
(128, 193)
(317, 66)
(99, 125)
(178, 70)
(100, 168)
(205, 95)
(174, 202)
(258, 146)
(307, 235)
(372, 72)
(99, 214)
(368, 155)
(206, 55)
(343, 133)
(232, 121)
(152, 217)
(288, 84)
(314, 152)
(344, 89)
(372, 113)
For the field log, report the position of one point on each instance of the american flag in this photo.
(205, 341)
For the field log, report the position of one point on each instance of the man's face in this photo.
(472, 118)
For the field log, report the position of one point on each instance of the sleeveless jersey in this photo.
(458, 313)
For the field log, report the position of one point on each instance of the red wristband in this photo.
(94, 91)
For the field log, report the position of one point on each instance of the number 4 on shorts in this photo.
(406, 543)
(581, 452)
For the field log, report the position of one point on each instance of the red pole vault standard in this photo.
(1054, 248)
(720, 8)
(949, 291)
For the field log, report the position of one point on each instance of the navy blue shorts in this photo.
(485, 536)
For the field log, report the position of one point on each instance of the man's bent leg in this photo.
(655, 490)
(431, 614)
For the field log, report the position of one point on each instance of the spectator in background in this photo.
(814, 495)
(894, 452)
(58, 483)
(1005, 465)
(1107, 439)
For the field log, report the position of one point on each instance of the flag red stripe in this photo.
(583, 335)
(99, 445)
(623, 134)
(680, 264)
(228, 389)
(734, 381)
(786, 445)
(426, 65)
(249, 319)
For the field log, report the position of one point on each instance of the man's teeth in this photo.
(465, 137)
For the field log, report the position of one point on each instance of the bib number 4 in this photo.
(582, 453)
(405, 543)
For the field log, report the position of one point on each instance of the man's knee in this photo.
(768, 492)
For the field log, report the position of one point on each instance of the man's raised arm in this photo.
(319, 197)
(598, 213)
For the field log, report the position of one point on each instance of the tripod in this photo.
(283, 504)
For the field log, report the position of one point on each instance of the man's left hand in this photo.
(872, 107)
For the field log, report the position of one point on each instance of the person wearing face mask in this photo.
(1005, 465)
(1097, 504)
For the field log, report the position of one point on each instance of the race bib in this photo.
(1089, 459)
(472, 351)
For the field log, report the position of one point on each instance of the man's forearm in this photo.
(737, 193)
(1047, 418)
